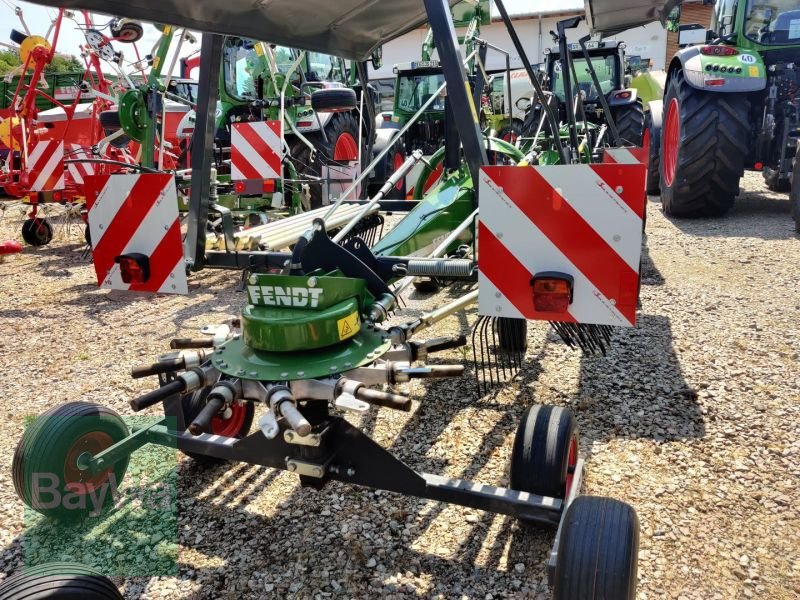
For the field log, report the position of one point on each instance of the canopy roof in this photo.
(610, 17)
(347, 28)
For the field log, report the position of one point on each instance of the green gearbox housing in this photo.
(302, 326)
(289, 313)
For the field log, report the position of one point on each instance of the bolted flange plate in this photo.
(236, 359)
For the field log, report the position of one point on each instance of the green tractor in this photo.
(321, 119)
(608, 59)
(730, 104)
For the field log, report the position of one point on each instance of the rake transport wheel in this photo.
(545, 452)
(774, 182)
(704, 145)
(598, 551)
(59, 581)
(630, 123)
(37, 232)
(235, 423)
(46, 467)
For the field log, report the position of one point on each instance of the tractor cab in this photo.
(415, 84)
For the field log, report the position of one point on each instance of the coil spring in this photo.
(440, 267)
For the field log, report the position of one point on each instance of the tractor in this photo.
(730, 104)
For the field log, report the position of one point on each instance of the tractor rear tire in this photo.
(545, 451)
(794, 194)
(37, 232)
(65, 580)
(598, 551)
(630, 123)
(703, 149)
(341, 146)
(773, 181)
(654, 157)
(52, 445)
(238, 426)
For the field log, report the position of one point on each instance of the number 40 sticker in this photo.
(747, 59)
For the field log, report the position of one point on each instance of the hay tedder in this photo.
(322, 333)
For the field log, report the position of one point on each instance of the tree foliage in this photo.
(61, 63)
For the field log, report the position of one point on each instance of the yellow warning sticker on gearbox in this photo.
(348, 326)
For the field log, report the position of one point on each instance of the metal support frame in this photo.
(203, 149)
(458, 91)
(566, 76)
(344, 453)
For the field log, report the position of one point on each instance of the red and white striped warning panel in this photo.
(135, 232)
(256, 150)
(79, 170)
(580, 221)
(46, 166)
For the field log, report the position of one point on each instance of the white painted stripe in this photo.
(600, 206)
(490, 299)
(622, 156)
(534, 250)
(52, 164)
(251, 156)
(268, 134)
(76, 174)
(108, 203)
(36, 154)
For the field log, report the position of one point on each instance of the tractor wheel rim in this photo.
(572, 461)
(232, 426)
(397, 162)
(79, 481)
(510, 137)
(672, 133)
(346, 148)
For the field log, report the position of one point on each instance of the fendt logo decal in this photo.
(275, 295)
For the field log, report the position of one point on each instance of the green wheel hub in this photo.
(133, 115)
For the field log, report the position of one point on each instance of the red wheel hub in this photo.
(231, 424)
(510, 137)
(672, 134)
(80, 481)
(572, 461)
(646, 140)
(433, 177)
(346, 148)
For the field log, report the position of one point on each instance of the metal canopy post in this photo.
(537, 86)
(203, 149)
(458, 93)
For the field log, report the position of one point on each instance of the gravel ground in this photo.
(692, 418)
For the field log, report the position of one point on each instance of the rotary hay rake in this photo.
(313, 339)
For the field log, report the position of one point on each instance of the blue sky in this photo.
(39, 17)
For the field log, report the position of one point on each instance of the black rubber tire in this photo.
(192, 405)
(37, 232)
(598, 551)
(338, 125)
(630, 123)
(334, 100)
(794, 193)
(712, 146)
(109, 121)
(654, 158)
(512, 131)
(540, 455)
(773, 183)
(45, 446)
(426, 286)
(128, 32)
(59, 580)
(512, 334)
